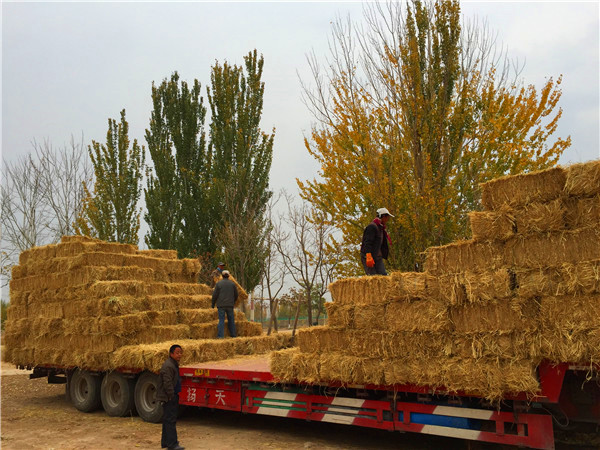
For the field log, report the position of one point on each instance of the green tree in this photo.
(111, 212)
(242, 156)
(417, 113)
(177, 192)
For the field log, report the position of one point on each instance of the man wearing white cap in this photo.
(375, 244)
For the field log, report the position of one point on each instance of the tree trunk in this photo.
(296, 318)
(309, 309)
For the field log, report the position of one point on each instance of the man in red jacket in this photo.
(375, 244)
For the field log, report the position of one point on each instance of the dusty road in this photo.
(35, 415)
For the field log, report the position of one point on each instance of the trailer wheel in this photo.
(116, 394)
(147, 406)
(85, 390)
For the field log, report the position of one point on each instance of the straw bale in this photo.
(72, 248)
(582, 212)
(199, 316)
(208, 330)
(307, 367)
(161, 333)
(47, 310)
(253, 345)
(423, 315)
(403, 345)
(164, 254)
(506, 315)
(412, 285)
(491, 225)
(309, 339)
(19, 298)
(541, 217)
(137, 288)
(175, 301)
(360, 290)
(464, 255)
(351, 370)
(422, 371)
(519, 190)
(37, 253)
(281, 365)
(127, 304)
(553, 249)
(83, 276)
(152, 356)
(582, 278)
(476, 287)
(248, 329)
(537, 282)
(574, 346)
(369, 317)
(576, 314)
(184, 270)
(322, 339)
(339, 316)
(490, 378)
(15, 312)
(205, 330)
(20, 356)
(494, 344)
(92, 360)
(583, 179)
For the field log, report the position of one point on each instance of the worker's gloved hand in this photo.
(370, 260)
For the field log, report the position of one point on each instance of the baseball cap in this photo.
(383, 211)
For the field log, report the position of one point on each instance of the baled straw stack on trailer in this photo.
(486, 311)
(101, 306)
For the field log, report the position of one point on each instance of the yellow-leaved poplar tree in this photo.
(414, 115)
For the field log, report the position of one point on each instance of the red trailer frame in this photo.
(247, 385)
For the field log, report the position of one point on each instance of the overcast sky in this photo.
(68, 67)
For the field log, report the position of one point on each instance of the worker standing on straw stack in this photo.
(224, 297)
(217, 274)
(167, 392)
(375, 244)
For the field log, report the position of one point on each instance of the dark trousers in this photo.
(230, 322)
(169, 431)
(378, 269)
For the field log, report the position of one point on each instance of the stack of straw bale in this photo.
(486, 311)
(99, 306)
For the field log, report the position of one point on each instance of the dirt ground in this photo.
(35, 415)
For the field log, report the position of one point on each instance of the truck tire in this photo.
(85, 390)
(117, 393)
(148, 408)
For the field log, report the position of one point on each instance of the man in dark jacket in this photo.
(167, 392)
(224, 296)
(375, 244)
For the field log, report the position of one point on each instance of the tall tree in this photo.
(40, 197)
(242, 156)
(110, 212)
(306, 250)
(413, 114)
(177, 192)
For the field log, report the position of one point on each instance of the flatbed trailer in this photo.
(569, 395)
(247, 386)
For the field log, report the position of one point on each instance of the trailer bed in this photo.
(245, 384)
